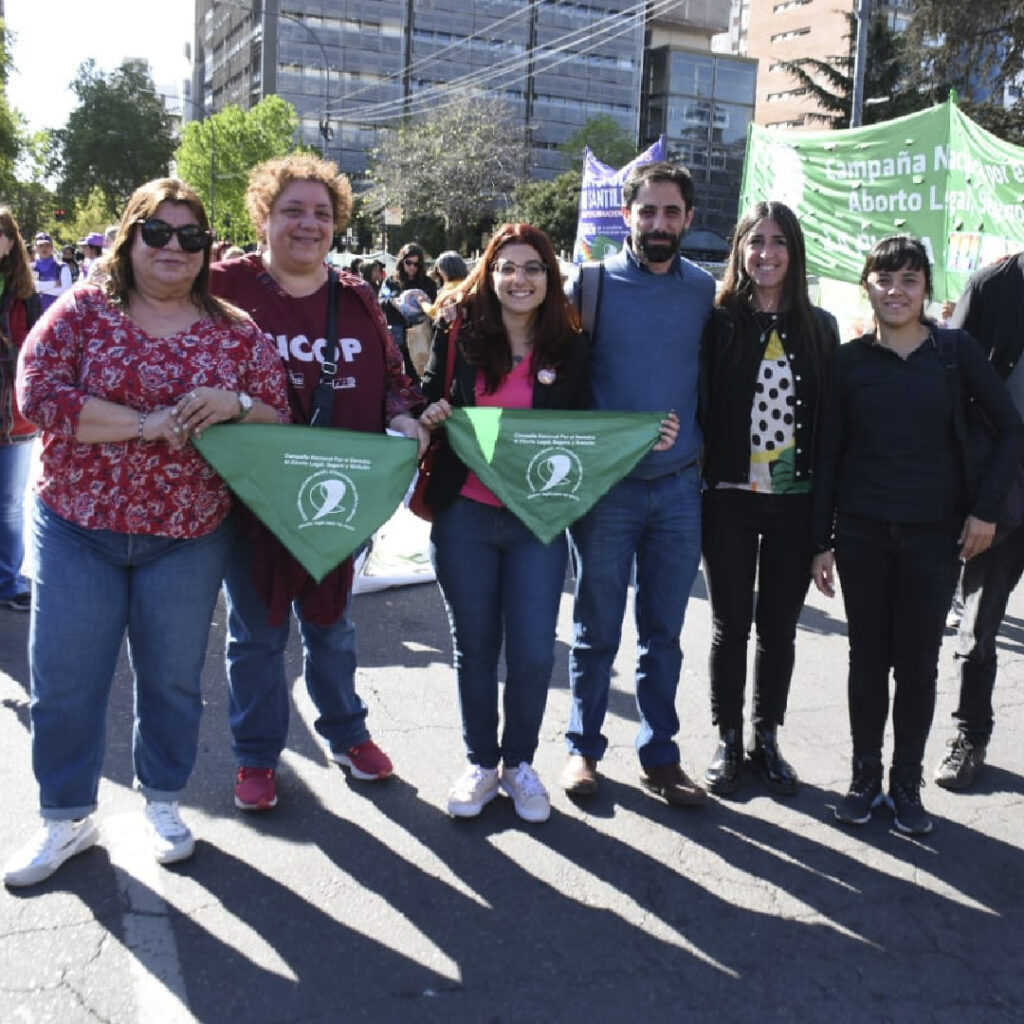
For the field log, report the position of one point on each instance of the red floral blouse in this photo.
(85, 347)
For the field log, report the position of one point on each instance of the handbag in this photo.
(418, 503)
(323, 397)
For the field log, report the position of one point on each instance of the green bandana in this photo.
(321, 492)
(549, 467)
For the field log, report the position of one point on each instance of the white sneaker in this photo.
(472, 790)
(168, 834)
(527, 791)
(48, 848)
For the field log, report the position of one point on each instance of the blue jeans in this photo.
(15, 460)
(90, 586)
(655, 523)
(498, 582)
(258, 698)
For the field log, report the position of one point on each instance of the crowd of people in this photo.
(782, 457)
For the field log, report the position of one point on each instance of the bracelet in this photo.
(143, 416)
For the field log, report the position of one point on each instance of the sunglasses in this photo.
(156, 233)
(411, 261)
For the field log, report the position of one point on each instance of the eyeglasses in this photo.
(156, 233)
(508, 268)
(411, 261)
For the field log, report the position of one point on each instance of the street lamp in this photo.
(859, 59)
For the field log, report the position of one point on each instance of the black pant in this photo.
(768, 534)
(897, 581)
(988, 581)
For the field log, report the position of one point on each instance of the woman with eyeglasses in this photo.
(410, 276)
(131, 528)
(20, 308)
(519, 345)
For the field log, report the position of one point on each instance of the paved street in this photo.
(366, 902)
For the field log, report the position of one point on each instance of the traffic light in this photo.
(59, 214)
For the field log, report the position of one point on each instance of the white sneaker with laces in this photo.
(169, 836)
(523, 785)
(48, 848)
(473, 790)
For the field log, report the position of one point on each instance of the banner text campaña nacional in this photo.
(935, 174)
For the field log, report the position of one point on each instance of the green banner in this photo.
(550, 467)
(320, 492)
(935, 174)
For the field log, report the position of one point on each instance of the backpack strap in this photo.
(946, 343)
(591, 285)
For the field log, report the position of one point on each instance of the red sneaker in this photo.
(255, 789)
(366, 761)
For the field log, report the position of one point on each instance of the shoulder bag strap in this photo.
(323, 397)
(449, 363)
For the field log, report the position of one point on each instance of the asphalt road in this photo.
(357, 901)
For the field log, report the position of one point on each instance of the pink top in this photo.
(514, 392)
(85, 347)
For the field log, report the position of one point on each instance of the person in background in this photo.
(131, 528)
(764, 360)
(92, 246)
(68, 258)
(991, 310)
(645, 357)
(298, 204)
(410, 276)
(890, 497)
(451, 271)
(53, 278)
(19, 310)
(519, 346)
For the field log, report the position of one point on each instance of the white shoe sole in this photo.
(467, 809)
(86, 837)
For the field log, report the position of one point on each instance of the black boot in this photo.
(764, 757)
(905, 800)
(723, 774)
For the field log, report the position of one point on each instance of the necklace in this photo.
(769, 322)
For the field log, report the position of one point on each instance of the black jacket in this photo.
(570, 390)
(729, 369)
(991, 310)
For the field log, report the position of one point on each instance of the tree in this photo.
(11, 126)
(553, 206)
(886, 83)
(459, 163)
(216, 155)
(607, 139)
(118, 136)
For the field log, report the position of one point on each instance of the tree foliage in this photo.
(887, 90)
(11, 127)
(553, 206)
(459, 164)
(607, 139)
(216, 155)
(118, 136)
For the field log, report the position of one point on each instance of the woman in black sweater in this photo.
(891, 497)
(764, 355)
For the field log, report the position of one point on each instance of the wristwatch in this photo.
(245, 404)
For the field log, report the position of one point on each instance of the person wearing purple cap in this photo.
(92, 246)
(53, 277)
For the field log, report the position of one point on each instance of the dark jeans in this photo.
(988, 581)
(897, 581)
(746, 534)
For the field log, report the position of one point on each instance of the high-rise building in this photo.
(352, 67)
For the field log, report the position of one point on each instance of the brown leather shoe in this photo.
(670, 782)
(579, 776)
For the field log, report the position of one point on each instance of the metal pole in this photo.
(859, 61)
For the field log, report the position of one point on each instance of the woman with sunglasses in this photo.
(20, 308)
(410, 275)
(518, 346)
(298, 204)
(131, 529)
(764, 357)
(891, 498)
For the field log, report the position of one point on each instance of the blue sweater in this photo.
(646, 348)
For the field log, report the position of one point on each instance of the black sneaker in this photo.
(957, 770)
(864, 795)
(905, 800)
(20, 602)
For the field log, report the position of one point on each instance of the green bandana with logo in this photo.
(549, 468)
(320, 492)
